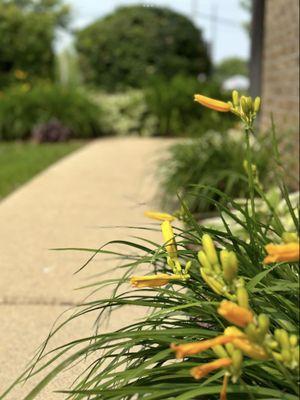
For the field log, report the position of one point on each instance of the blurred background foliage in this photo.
(135, 43)
(27, 32)
(192, 168)
(141, 65)
(132, 72)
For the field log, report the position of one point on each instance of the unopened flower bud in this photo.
(204, 260)
(220, 351)
(242, 297)
(229, 264)
(282, 338)
(293, 340)
(187, 267)
(237, 359)
(235, 98)
(209, 248)
(263, 323)
(244, 105)
(249, 103)
(230, 348)
(256, 105)
(286, 355)
(252, 332)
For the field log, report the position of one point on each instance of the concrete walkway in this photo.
(108, 182)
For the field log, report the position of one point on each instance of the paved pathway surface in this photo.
(108, 182)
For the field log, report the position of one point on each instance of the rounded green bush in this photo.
(22, 108)
(133, 43)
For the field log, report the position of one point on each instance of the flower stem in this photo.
(250, 171)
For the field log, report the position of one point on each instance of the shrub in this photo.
(170, 101)
(23, 108)
(212, 160)
(133, 43)
(126, 113)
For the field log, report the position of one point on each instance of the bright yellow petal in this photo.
(159, 216)
(216, 105)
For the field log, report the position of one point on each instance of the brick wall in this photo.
(280, 64)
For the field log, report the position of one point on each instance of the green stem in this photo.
(249, 171)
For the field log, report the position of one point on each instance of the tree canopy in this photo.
(27, 32)
(133, 43)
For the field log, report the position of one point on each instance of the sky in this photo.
(220, 21)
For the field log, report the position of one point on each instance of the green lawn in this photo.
(20, 161)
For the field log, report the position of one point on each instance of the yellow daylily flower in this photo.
(203, 370)
(153, 280)
(159, 216)
(282, 252)
(188, 349)
(169, 239)
(235, 314)
(216, 105)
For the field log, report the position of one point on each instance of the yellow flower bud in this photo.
(256, 105)
(159, 216)
(209, 248)
(169, 239)
(244, 105)
(216, 105)
(237, 360)
(277, 356)
(252, 332)
(263, 323)
(283, 338)
(220, 351)
(204, 260)
(249, 103)
(235, 314)
(235, 98)
(286, 355)
(187, 266)
(293, 340)
(204, 369)
(229, 264)
(216, 286)
(234, 331)
(189, 349)
(242, 297)
(229, 348)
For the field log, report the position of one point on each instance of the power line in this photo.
(219, 20)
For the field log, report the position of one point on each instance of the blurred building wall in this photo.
(280, 64)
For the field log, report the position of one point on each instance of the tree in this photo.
(27, 32)
(231, 66)
(133, 43)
